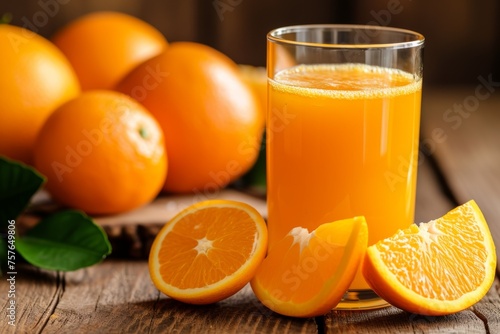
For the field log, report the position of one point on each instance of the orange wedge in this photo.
(307, 273)
(208, 251)
(440, 267)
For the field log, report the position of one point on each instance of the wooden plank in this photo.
(241, 313)
(461, 126)
(488, 310)
(393, 320)
(36, 293)
(117, 296)
(108, 298)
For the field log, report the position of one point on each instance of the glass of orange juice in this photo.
(342, 131)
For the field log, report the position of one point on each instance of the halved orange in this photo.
(437, 268)
(306, 273)
(208, 251)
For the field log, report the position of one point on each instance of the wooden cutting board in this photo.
(132, 233)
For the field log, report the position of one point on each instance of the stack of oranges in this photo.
(113, 121)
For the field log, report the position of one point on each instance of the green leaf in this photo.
(65, 241)
(18, 183)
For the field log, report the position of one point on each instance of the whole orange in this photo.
(103, 153)
(211, 118)
(104, 46)
(35, 79)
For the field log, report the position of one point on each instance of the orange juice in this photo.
(342, 142)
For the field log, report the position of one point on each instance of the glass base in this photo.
(361, 300)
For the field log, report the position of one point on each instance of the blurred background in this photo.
(462, 37)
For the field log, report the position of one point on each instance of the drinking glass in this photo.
(342, 131)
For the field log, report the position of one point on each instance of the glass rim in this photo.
(418, 39)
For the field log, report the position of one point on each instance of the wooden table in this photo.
(460, 160)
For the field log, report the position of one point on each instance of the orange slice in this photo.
(208, 251)
(307, 273)
(440, 267)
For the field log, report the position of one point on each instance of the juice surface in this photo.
(342, 142)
